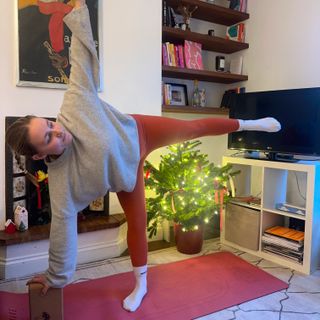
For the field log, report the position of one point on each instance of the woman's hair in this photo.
(17, 137)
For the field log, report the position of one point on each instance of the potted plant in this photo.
(188, 190)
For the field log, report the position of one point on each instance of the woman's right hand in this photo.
(41, 279)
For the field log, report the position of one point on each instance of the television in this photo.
(298, 111)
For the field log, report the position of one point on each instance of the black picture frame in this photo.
(178, 93)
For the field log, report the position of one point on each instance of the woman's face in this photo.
(48, 137)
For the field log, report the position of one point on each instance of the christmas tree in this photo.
(188, 189)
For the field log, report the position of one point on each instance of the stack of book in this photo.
(188, 55)
(173, 55)
(285, 242)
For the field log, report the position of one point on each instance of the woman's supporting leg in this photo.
(134, 206)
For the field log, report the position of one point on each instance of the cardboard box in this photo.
(45, 307)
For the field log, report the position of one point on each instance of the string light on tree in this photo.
(185, 184)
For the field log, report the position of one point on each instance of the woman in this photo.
(93, 148)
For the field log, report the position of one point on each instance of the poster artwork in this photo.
(44, 41)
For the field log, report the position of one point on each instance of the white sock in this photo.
(264, 124)
(133, 301)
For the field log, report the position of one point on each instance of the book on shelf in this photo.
(285, 242)
(193, 55)
(169, 18)
(290, 208)
(281, 242)
(287, 233)
(239, 5)
(287, 253)
(236, 32)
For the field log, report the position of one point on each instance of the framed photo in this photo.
(178, 94)
(44, 41)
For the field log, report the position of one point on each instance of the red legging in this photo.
(156, 132)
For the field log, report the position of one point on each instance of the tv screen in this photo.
(298, 111)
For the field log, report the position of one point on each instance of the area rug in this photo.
(180, 290)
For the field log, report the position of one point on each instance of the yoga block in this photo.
(48, 306)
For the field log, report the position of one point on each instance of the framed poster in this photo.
(44, 41)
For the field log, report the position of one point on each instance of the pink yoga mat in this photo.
(180, 290)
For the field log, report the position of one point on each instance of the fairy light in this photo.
(206, 220)
(196, 227)
(215, 212)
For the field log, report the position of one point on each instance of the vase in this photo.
(188, 242)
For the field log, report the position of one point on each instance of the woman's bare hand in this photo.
(41, 279)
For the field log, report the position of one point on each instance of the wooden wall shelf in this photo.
(199, 110)
(42, 232)
(202, 75)
(209, 43)
(210, 12)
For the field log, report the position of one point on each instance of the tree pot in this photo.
(188, 242)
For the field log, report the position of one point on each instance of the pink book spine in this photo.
(165, 61)
(181, 56)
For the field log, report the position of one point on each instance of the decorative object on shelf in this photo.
(21, 218)
(236, 32)
(236, 65)
(189, 190)
(202, 93)
(186, 12)
(9, 227)
(211, 32)
(220, 63)
(183, 26)
(193, 55)
(196, 94)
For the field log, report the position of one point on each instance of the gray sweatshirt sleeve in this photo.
(84, 74)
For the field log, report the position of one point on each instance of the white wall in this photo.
(284, 53)
(131, 57)
(284, 44)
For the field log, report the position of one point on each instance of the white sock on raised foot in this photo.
(264, 124)
(133, 301)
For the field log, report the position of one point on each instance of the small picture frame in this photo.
(178, 94)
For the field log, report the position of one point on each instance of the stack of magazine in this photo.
(285, 242)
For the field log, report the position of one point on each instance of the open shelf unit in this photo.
(270, 179)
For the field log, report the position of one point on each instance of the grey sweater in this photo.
(104, 154)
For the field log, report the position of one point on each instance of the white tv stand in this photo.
(272, 179)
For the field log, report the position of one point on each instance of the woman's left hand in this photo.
(42, 279)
